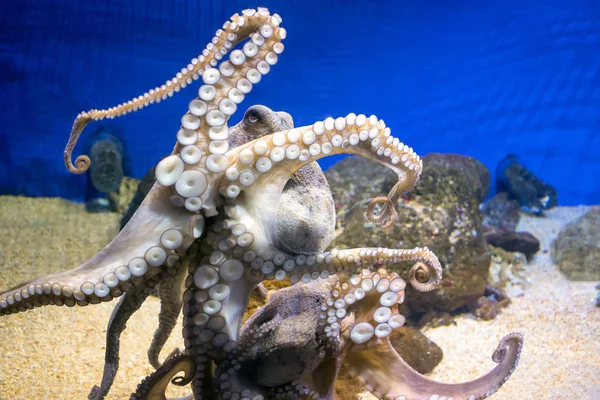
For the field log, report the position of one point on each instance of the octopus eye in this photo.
(265, 317)
(253, 116)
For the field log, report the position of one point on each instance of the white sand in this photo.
(57, 352)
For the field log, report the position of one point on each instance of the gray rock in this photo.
(576, 250)
(441, 212)
(514, 242)
(501, 212)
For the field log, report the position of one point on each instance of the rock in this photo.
(99, 205)
(507, 271)
(502, 215)
(476, 176)
(576, 250)
(488, 306)
(106, 162)
(435, 319)
(522, 242)
(534, 195)
(441, 212)
(487, 309)
(414, 347)
(126, 193)
(501, 212)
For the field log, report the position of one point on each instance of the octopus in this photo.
(234, 207)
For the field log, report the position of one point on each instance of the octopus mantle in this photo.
(232, 208)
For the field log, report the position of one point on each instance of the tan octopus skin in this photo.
(218, 222)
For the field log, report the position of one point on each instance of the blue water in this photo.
(481, 78)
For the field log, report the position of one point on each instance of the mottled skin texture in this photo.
(221, 219)
(293, 346)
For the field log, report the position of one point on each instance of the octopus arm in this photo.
(322, 379)
(154, 238)
(154, 386)
(387, 375)
(128, 304)
(424, 275)
(297, 147)
(170, 292)
(235, 31)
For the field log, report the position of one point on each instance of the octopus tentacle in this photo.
(154, 238)
(265, 34)
(203, 140)
(272, 159)
(363, 308)
(153, 387)
(170, 292)
(127, 305)
(387, 374)
(305, 269)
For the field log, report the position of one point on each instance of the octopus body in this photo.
(232, 207)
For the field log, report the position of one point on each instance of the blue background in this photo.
(481, 78)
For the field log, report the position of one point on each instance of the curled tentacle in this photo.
(83, 161)
(423, 277)
(387, 214)
(386, 374)
(128, 304)
(154, 386)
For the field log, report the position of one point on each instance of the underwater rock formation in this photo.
(576, 250)
(106, 173)
(221, 219)
(416, 349)
(106, 168)
(521, 242)
(501, 212)
(502, 215)
(441, 212)
(488, 306)
(507, 271)
(533, 195)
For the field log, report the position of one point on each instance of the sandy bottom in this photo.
(57, 352)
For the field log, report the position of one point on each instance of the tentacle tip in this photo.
(424, 278)
(515, 338)
(386, 216)
(94, 393)
(82, 164)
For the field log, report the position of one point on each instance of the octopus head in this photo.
(283, 338)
